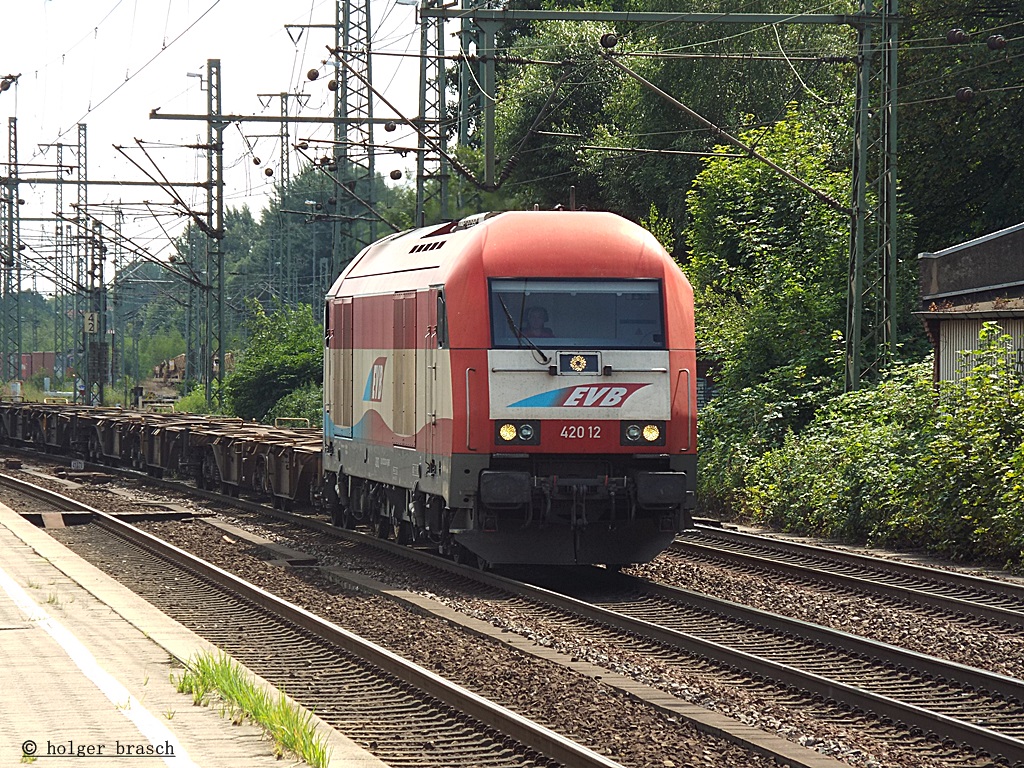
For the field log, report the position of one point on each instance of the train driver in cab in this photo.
(536, 326)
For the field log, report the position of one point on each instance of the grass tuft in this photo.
(290, 727)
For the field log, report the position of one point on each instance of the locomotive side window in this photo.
(442, 321)
(605, 314)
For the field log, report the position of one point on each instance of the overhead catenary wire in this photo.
(141, 69)
(717, 132)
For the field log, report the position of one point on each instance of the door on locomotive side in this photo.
(433, 333)
(403, 370)
(338, 369)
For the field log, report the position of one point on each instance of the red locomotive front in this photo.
(518, 387)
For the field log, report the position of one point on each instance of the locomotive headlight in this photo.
(642, 434)
(516, 433)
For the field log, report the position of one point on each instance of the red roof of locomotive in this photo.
(509, 244)
(583, 244)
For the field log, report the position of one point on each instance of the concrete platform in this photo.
(86, 667)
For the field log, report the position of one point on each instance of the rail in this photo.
(503, 720)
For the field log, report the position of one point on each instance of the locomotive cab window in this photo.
(606, 314)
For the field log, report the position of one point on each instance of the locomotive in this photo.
(513, 388)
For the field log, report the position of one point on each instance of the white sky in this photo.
(107, 63)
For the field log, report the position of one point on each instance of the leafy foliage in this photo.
(660, 226)
(843, 474)
(767, 258)
(958, 158)
(576, 123)
(738, 426)
(195, 401)
(284, 353)
(768, 262)
(909, 465)
(306, 402)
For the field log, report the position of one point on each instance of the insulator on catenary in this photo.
(956, 36)
(965, 94)
(996, 42)
(396, 174)
(313, 74)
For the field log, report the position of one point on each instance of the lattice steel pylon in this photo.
(287, 273)
(63, 305)
(214, 320)
(432, 166)
(353, 132)
(10, 316)
(80, 267)
(871, 322)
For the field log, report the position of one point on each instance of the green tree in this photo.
(552, 116)
(284, 353)
(768, 259)
(960, 160)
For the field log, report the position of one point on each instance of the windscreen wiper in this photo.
(545, 360)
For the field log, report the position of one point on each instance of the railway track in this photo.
(985, 601)
(405, 714)
(944, 701)
(943, 708)
(959, 703)
(931, 700)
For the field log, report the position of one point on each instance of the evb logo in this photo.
(588, 396)
(374, 391)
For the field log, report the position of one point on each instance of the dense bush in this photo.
(844, 473)
(738, 427)
(909, 465)
(284, 353)
(307, 402)
(195, 401)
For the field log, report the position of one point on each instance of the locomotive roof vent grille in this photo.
(427, 246)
